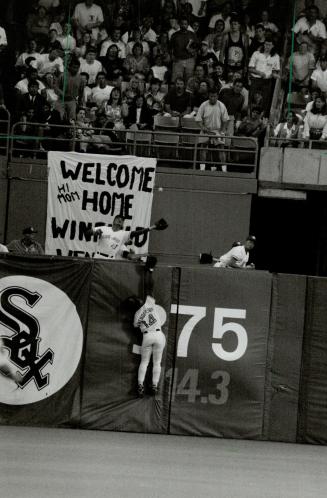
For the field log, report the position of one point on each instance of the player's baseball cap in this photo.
(29, 230)
(252, 238)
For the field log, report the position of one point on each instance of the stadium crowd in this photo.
(110, 66)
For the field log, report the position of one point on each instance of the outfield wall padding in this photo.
(245, 357)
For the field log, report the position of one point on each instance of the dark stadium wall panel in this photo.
(110, 400)
(284, 357)
(312, 426)
(3, 208)
(220, 367)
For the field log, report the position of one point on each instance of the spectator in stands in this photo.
(217, 32)
(253, 125)
(225, 15)
(199, 75)
(248, 27)
(159, 70)
(234, 52)
(136, 62)
(70, 89)
(91, 66)
(312, 27)
(24, 131)
(264, 68)
(102, 91)
(183, 48)
(162, 48)
(287, 130)
(155, 97)
(267, 24)
(115, 109)
(319, 76)
(206, 59)
(148, 34)
(49, 117)
(218, 75)
(50, 63)
(299, 100)
(104, 138)
(52, 43)
(31, 100)
(259, 39)
(83, 130)
(22, 85)
(233, 100)
(87, 91)
(213, 119)
(84, 43)
(112, 64)
(302, 63)
(315, 122)
(27, 245)
(30, 52)
(88, 16)
(137, 37)
(66, 40)
(139, 116)
(116, 40)
(38, 27)
(178, 101)
(200, 96)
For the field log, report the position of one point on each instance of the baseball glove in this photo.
(205, 258)
(161, 224)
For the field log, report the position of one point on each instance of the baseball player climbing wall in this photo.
(86, 191)
(219, 376)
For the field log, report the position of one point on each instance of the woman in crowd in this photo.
(315, 123)
(137, 38)
(287, 130)
(136, 62)
(115, 109)
(139, 115)
(155, 97)
(111, 63)
(49, 91)
(85, 42)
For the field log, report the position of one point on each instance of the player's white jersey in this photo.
(111, 244)
(237, 256)
(146, 318)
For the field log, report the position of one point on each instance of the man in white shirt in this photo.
(102, 91)
(311, 25)
(22, 85)
(238, 256)
(91, 66)
(50, 63)
(88, 16)
(115, 39)
(319, 76)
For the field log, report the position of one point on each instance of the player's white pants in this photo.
(153, 343)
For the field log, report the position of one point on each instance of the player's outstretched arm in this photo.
(159, 225)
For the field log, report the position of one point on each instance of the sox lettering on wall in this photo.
(89, 190)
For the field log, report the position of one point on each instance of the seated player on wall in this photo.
(236, 257)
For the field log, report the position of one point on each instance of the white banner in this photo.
(88, 190)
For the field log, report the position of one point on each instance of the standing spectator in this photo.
(115, 109)
(303, 64)
(101, 91)
(234, 52)
(259, 39)
(233, 100)
(315, 122)
(213, 119)
(178, 101)
(314, 28)
(319, 76)
(206, 59)
(88, 16)
(183, 47)
(264, 68)
(26, 245)
(91, 66)
(66, 40)
(70, 89)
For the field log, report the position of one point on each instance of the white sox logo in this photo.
(41, 336)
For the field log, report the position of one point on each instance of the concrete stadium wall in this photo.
(245, 351)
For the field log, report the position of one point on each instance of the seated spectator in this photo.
(155, 97)
(225, 15)
(114, 40)
(30, 52)
(232, 77)
(22, 85)
(194, 81)
(38, 27)
(139, 116)
(148, 34)
(200, 96)
(315, 122)
(218, 75)
(264, 68)
(178, 101)
(84, 43)
(267, 24)
(259, 39)
(111, 63)
(88, 16)
(91, 66)
(115, 109)
(134, 87)
(137, 37)
(104, 138)
(83, 131)
(218, 31)
(101, 91)
(162, 48)
(87, 91)
(319, 76)
(234, 52)
(66, 40)
(31, 100)
(27, 245)
(311, 25)
(50, 63)
(49, 116)
(233, 100)
(253, 125)
(49, 91)
(303, 64)
(206, 59)
(136, 62)
(299, 100)
(159, 70)
(287, 130)
(23, 144)
(52, 43)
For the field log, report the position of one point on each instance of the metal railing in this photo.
(172, 149)
(302, 143)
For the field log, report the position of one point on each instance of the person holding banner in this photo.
(112, 241)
